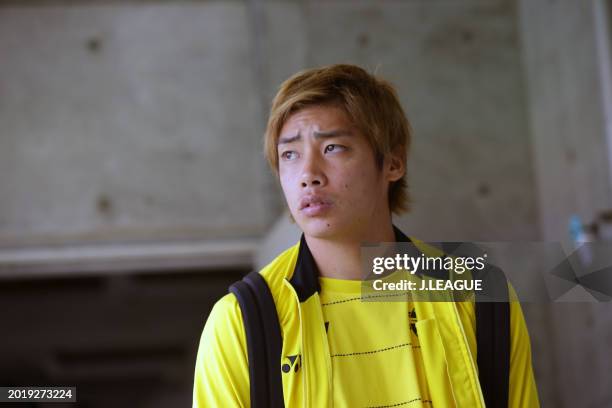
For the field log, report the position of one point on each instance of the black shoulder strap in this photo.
(493, 339)
(264, 342)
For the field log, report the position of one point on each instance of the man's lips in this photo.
(314, 201)
(313, 206)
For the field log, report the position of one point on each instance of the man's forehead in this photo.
(319, 121)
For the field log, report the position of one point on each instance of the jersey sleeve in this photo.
(523, 392)
(221, 377)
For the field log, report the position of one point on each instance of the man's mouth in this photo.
(308, 202)
(313, 205)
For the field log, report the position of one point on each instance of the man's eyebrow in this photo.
(332, 133)
(317, 135)
(289, 139)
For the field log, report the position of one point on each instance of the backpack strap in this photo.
(493, 339)
(264, 341)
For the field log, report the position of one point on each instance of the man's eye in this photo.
(288, 155)
(333, 148)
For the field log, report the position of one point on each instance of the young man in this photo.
(338, 140)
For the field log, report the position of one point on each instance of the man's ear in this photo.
(395, 165)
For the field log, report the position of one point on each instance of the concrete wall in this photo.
(565, 46)
(568, 118)
(144, 120)
(121, 121)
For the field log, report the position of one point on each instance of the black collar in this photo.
(305, 279)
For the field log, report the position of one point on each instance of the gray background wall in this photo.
(133, 189)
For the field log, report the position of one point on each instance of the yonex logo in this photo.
(292, 362)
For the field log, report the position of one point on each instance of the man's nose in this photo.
(312, 172)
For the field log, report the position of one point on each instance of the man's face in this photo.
(328, 174)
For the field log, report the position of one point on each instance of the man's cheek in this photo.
(286, 190)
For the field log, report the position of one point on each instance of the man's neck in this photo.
(341, 259)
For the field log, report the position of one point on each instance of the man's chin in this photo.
(320, 228)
